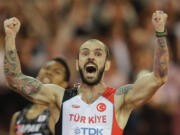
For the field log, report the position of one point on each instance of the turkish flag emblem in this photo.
(101, 107)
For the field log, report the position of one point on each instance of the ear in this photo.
(107, 65)
(77, 65)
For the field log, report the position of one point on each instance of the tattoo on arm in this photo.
(11, 62)
(24, 84)
(124, 89)
(161, 58)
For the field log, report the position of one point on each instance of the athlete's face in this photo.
(53, 72)
(92, 62)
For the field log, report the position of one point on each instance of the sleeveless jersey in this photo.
(36, 126)
(79, 118)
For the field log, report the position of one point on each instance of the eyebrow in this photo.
(98, 49)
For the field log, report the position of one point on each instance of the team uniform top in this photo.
(79, 118)
(36, 126)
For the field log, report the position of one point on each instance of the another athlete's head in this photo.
(92, 61)
(55, 71)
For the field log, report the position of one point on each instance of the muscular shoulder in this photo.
(124, 89)
(50, 94)
(120, 93)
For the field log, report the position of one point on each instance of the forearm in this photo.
(15, 78)
(11, 61)
(161, 59)
(149, 83)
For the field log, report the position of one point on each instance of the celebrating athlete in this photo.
(94, 108)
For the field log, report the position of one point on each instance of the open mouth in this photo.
(91, 69)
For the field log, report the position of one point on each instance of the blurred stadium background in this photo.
(51, 28)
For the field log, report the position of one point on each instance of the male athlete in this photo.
(41, 119)
(96, 109)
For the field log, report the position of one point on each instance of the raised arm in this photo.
(29, 87)
(147, 84)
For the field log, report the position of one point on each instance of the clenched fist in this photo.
(11, 26)
(159, 20)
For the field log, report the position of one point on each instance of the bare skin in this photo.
(94, 51)
(53, 72)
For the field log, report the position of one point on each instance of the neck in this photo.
(91, 93)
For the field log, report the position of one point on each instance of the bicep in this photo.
(23, 84)
(27, 86)
(143, 90)
(130, 96)
(34, 90)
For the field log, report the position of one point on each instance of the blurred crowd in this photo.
(56, 28)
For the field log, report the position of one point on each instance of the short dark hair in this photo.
(64, 63)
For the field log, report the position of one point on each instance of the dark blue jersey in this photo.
(36, 126)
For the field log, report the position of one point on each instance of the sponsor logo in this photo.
(77, 131)
(75, 106)
(28, 128)
(101, 107)
(88, 131)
